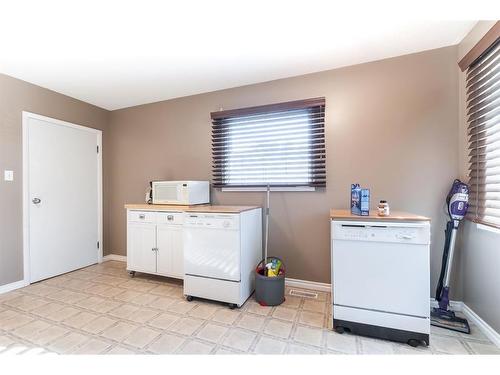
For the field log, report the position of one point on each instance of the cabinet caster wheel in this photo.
(132, 274)
(189, 298)
(414, 343)
(339, 329)
(232, 306)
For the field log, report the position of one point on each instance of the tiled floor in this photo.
(100, 309)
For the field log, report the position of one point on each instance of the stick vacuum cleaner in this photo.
(442, 316)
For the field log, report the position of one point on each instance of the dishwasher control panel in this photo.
(214, 221)
(381, 231)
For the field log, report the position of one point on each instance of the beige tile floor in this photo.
(101, 310)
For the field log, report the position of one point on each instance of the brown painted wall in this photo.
(392, 125)
(17, 96)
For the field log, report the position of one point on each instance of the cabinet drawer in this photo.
(142, 216)
(171, 218)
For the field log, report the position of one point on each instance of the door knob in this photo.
(36, 200)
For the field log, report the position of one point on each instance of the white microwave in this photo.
(180, 192)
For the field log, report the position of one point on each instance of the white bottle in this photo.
(383, 208)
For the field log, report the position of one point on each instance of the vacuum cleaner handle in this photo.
(444, 261)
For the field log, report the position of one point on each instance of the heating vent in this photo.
(303, 293)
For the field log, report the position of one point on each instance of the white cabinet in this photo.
(154, 243)
(170, 257)
(141, 247)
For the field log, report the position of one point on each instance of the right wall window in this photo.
(483, 112)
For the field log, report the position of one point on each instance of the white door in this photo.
(170, 252)
(62, 196)
(141, 247)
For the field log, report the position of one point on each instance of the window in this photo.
(483, 109)
(282, 145)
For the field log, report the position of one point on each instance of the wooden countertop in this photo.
(394, 216)
(204, 208)
(221, 209)
(157, 207)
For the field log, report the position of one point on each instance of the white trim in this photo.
(26, 195)
(12, 286)
(295, 283)
(484, 327)
(455, 305)
(487, 228)
(59, 122)
(488, 331)
(115, 257)
(100, 232)
(304, 284)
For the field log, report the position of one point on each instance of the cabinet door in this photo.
(177, 253)
(170, 251)
(141, 245)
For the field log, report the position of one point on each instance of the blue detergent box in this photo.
(360, 200)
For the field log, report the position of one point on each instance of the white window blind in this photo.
(483, 110)
(282, 145)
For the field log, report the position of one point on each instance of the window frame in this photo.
(306, 104)
(474, 143)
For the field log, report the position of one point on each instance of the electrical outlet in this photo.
(8, 175)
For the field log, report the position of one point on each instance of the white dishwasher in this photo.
(221, 252)
(380, 278)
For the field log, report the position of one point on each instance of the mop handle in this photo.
(267, 226)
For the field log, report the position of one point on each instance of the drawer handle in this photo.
(170, 217)
(142, 216)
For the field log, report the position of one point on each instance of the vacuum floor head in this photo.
(447, 319)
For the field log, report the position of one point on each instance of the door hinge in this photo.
(97, 244)
(97, 148)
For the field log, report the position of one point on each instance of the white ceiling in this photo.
(121, 54)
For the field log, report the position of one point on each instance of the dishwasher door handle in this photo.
(406, 237)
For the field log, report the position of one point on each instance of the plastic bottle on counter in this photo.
(383, 208)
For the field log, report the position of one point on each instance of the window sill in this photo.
(249, 189)
(487, 228)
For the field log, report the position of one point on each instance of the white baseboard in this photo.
(296, 283)
(458, 306)
(119, 258)
(472, 317)
(12, 286)
(304, 284)
(488, 331)
(455, 305)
